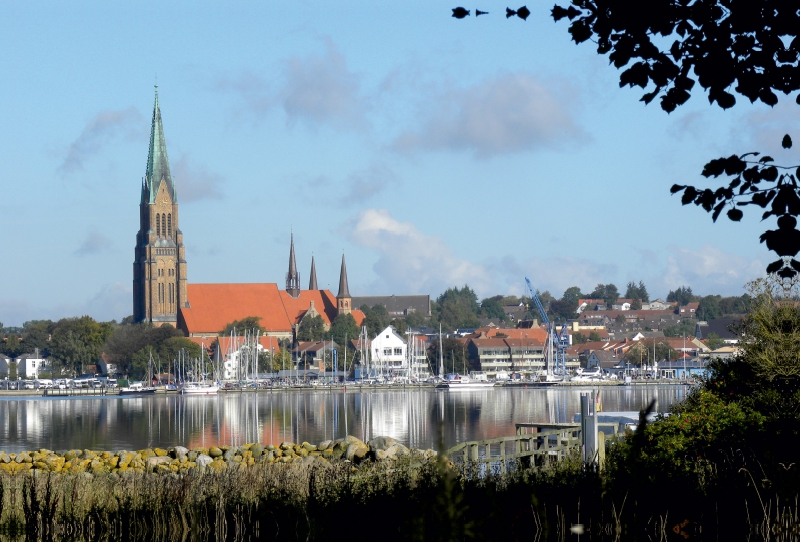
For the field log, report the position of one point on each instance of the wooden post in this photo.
(601, 450)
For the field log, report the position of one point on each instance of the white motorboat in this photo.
(463, 382)
(593, 375)
(137, 388)
(197, 388)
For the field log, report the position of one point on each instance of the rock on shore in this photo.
(217, 458)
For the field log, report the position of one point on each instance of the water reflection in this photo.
(412, 416)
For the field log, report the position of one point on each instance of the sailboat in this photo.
(198, 386)
(140, 388)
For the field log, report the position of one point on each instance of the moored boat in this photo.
(463, 382)
(197, 388)
(137, 388)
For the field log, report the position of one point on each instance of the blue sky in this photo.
(433, 152)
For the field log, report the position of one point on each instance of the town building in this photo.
(30, 365)
(397, 305)
(159, 266)
(388, 352)
(721, 327)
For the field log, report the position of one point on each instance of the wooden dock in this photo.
(534, 444)
(75, 392)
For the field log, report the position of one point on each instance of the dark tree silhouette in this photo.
(756, 182)
(750, 48)
(752, 45)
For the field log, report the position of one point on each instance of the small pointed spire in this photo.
(312, 282)
(344, 291)
(292, 277)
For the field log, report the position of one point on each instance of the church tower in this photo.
(159, 268)
(343, 299)
(312, 282)
(292, 277)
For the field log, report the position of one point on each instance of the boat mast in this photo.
(441, 355)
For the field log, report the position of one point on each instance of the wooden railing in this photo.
(534, 442)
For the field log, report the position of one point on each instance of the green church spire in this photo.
(157, 161)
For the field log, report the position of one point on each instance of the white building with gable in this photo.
(388, 352)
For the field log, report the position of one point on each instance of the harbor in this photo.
(420, 417)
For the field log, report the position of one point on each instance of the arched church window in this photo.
(164, 225)
(158, 227)
(169, 225)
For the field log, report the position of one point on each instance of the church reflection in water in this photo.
(420, 418)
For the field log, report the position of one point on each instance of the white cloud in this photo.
(410, 261)
(195, 182)
(512, 113)
(99, 132)
(710, 270)
(94, 243)
(320, 90)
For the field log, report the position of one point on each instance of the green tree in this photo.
(343, 329)
(509, 300)
(620, 319)
(454, 354)
(681, 295)
(249, 324)
(563, 310)
(734, 304)
(457, 308)
(594, 336)
(491, 308)
(579, 338)
(37, 335)
(572, 294)
(606, 292)
(685, 328)
(714, 341)
(272, 362)
(417, 319)
(400, 326)
(12, 347)
(376, 319)
(312, 328)
(77, 342)
(128, 341)
(709, 308)
(637, 291)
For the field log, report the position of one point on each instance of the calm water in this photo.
(413, 417)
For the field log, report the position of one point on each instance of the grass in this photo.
(403, 500)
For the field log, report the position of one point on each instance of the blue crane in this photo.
(559, 340)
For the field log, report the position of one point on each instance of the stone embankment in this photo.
(216, 458)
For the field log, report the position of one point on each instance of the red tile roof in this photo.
(536, 334)
(213, 306)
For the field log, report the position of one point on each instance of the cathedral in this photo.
(162, 294)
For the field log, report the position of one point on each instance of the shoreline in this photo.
(179, 459)
(81, 392)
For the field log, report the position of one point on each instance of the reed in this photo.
(406, 499)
